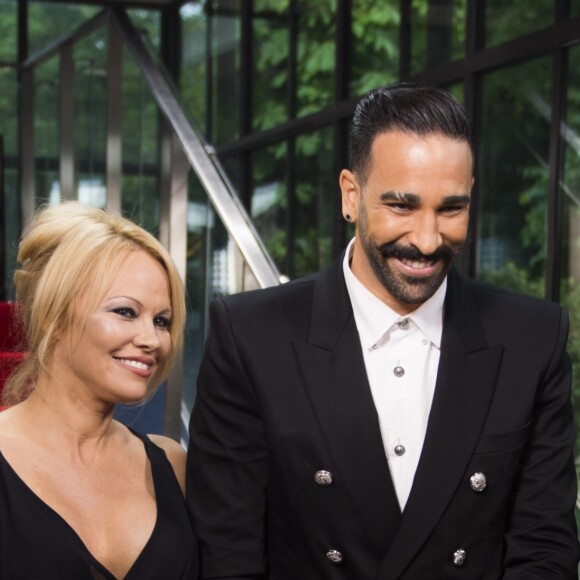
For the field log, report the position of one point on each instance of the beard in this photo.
(403, 287)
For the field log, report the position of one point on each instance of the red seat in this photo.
(8, 362)
(11, 338)
(11, 342)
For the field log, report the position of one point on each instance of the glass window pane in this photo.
(10, 212)
(47, 132)
(437, 32)
(271, 45)
(301, 34)
(375, 44)
(9, 114)
(508, 20)
(215, 267)
(90, 110)
(193, 70)
(49, 21)
(316, 55)
(570, 259)
(315, 193)
(232, 168)
(12, 228)
(513, 177)
(199, 222)
(140, 130)
(458, 91)
(225, 63)
(269, 207)
(9, 31)
(148, 22)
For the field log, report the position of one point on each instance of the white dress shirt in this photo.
(401, 356)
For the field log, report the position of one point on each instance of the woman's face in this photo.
(126, 340)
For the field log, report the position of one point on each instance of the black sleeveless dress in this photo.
(37, 544)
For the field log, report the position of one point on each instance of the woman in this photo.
(81, 495)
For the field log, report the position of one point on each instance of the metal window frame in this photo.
(553, 40)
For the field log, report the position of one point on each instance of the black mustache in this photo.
(393, 250)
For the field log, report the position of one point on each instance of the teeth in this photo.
(135, 363)
(416, 264)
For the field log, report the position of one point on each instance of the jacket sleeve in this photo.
(226, 469)
(541, 535)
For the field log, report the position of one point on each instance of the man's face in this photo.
(411, 215)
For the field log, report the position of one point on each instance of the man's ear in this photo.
(350, 195)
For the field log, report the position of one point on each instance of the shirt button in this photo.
(399, 371)
(403, 323)
(334, 556)
(399, 450)
(424, 341)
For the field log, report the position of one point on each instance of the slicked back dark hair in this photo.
(406, 108)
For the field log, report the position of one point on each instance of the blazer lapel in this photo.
(466, 381)
(335, 379)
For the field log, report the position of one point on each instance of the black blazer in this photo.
(283, 393)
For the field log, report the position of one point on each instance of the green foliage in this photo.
(276, 245)
(513, 19)
(306, 247)
(9, 111)
(513, 278)
(572, 303)
(8, 31)
(375, 31)
(50, 21)
(375, 63)
(533, 232)
(423, 23)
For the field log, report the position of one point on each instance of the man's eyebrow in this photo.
(415, 199)
(456, 200)
(401, 196)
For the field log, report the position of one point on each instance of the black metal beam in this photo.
(244, 185)
(405, 39)
(555, 202)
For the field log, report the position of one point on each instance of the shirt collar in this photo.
(374, 318)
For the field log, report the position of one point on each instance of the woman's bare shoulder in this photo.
(175, 454)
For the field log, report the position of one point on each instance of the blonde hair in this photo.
(71, 250)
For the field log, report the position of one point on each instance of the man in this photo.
(388, 419)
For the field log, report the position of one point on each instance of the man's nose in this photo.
(425, 234)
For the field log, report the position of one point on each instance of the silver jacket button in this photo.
(334, 556)
(459, 557)
(478, 482)
(323, 478)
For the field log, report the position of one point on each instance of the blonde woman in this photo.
(81, 495)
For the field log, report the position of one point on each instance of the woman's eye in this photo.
(125, 311)
(162, 322)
